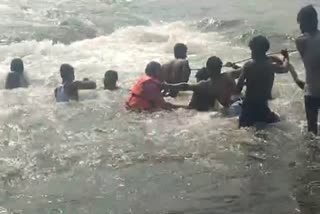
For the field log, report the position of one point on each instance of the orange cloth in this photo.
(146, 95)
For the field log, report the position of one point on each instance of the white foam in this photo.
(127, 50)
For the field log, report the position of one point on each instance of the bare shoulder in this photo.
(302, 38)
(247, 66)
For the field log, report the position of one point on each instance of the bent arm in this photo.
(282, 68)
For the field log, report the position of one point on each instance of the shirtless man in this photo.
(219, 86)
(68, 90)
(16, 78)
(258, 76)
(177, 70)
(308, 45)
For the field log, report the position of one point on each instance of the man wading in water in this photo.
(218, 86)
(258, 77)
(16, 78)
(177, 70)
(308, 46)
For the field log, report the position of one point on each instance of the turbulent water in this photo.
(95, 157)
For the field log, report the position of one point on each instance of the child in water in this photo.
(68, 90)
(110, 80)
(16, 78)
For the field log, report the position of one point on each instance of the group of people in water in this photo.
(213, 86)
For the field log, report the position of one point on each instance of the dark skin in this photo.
(72, 88)
(220, 87)
(258, 76)
(176, 71)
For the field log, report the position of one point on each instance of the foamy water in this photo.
(95, 157)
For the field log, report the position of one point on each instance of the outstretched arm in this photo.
(281, 67)
(179, 86)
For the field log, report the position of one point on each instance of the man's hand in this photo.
(285, 54)
(300, 83)
(231, 65)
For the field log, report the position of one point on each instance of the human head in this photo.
(180, 51)
(110, 79)
(214, 66)
(153, 69)
(67, 73)
(308, 19)
(17, 65)
(202, 74)
(259, 46)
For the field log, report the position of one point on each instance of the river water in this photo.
(95, 157)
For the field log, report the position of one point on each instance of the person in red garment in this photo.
(146, 93)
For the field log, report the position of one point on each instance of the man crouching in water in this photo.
(146, 93)
(16, 78)
(68, 90)
(219, 86)
(258, 76)
(177, 70)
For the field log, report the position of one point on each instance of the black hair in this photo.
(202, 74)
(180, 51)
(111, 75)
(152, 68)
(214, 63)
(17, 65)
(259, 45)
(308, 19)
(66, 71)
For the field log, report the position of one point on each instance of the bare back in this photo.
(176, 71)
(220, 89)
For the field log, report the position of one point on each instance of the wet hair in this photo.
(180, 51)
(110, 77)
(308, 19)
(17, 65)
(67, 72)
(214, 65)
(151, 69)
(259, 45)
(202, 74)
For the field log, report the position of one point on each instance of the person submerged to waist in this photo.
(146, 93)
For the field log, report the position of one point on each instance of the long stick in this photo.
(247, 59)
